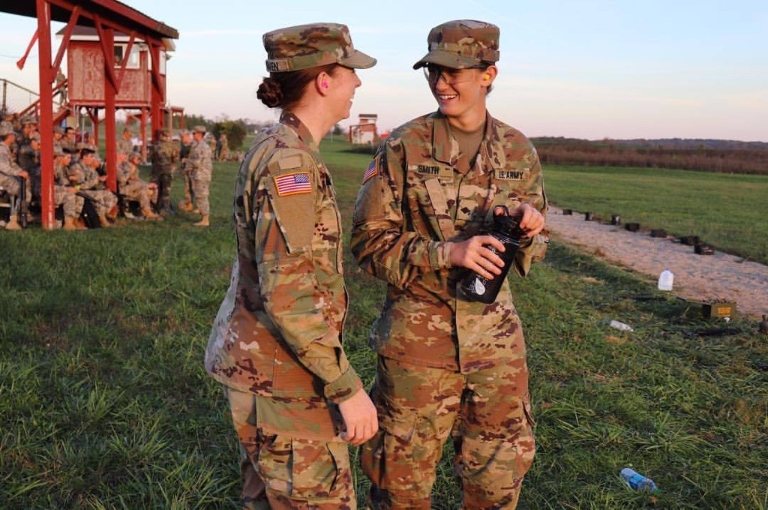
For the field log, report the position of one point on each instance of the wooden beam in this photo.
(46, 78)
(67, 36)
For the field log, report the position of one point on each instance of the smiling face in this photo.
(460, 93)
(343, 82)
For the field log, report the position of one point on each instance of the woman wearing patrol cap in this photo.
(447, 365)
(276, 343)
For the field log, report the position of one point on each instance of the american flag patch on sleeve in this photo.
(293, 184)
(372, 170)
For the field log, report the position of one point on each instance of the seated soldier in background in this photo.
(69, 141)
(29, 160)
(86, 179)
(65, 194)
(12, 176)
(131, 187)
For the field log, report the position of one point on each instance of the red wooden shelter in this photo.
(106, 18)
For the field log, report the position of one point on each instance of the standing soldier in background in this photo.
(29, 160)
(449, 366)
(199, 167)
(164, 155)
(125, 143)
(188, 204)
(12, 177)
(213, 144)
(223, 148)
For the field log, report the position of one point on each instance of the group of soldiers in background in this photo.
(80, 178)
(196, 158)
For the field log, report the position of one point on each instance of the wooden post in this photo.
(46, 78)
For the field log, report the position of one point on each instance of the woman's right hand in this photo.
(360, 418)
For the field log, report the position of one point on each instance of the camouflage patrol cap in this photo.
(313, 45)
(134, 155)
(28, 119)
(6, 128)
(58, 130)
(58, 151)
(199, 129)
(461, 44)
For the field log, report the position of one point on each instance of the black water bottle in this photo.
(508, 231)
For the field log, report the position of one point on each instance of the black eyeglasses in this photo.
(433, 73)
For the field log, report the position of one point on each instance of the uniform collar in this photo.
(445, 148)
(292, 121)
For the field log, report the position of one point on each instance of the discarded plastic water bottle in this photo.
(621, 326)
(665, 280)
(638, 481)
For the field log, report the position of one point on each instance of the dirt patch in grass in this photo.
(698, 278)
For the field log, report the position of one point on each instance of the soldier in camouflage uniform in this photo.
(124, 144)
(64, 193)
(91, 185)
(69, 141)
(132, 187)
(199, 168)
(449, 366)
(164, 155)
(185, 146)
(223, 148)
(12, 177)
(277, 341)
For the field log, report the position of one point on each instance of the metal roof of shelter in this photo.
(112, 10)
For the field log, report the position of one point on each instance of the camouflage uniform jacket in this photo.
(124, 146)
(279, 329)
(60, 175)
(8, 165)
(412, 201)
(200, 161)
(86, 177)
(124, 172)
(164, 155)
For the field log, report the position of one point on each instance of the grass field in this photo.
(104, 402)
(726, 210)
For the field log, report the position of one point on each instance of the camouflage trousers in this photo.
(200, 191)
(137, 190)
(71, 204)
(189, 191)
(486, 413)
(282, 472)
(163, 179)
(12, 185)
(104, 199)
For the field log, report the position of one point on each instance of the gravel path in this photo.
(697, 277)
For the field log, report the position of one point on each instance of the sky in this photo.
(584, 69)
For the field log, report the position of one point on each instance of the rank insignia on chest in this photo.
(512, 175)
(293, 184)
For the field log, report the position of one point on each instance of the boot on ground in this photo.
(13, 223)
(204, 222)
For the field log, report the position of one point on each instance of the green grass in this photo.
(104, 402)
(728, 211)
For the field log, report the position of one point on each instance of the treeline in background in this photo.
(722, 156)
